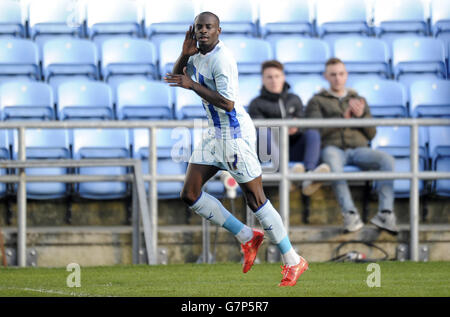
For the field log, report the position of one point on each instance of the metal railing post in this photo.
(153, 197)
(136, 233)
(284, 182)
(414, 193)
(22, 205)
(206, 242)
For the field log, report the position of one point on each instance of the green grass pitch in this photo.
(227, 280)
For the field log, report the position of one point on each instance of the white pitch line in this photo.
(49, 291)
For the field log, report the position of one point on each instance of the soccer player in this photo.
(229, 145)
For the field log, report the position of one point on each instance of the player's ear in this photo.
(219, 30)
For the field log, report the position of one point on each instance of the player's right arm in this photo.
(189, 49)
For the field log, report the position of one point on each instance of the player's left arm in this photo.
(213, 97)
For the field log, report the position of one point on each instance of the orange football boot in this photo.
(293, 272)
(250, 249)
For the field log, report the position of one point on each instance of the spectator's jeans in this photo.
(305, 148)
(366, 159)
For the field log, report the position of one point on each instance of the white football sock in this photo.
(212, 209)
(290, 258)
(245, 235)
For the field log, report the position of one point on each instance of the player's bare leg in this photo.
(196, 176)
(209, 207)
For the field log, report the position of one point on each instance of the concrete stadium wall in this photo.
(99, 233)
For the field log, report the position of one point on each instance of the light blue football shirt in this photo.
(217, 70)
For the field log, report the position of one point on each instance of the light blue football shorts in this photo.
(237, 156)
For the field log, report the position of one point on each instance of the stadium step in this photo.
(106, 245)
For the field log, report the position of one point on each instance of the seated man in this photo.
(342, 146)
(275, 102)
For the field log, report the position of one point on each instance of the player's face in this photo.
(207, 30)
(273, 80)
(337, 76)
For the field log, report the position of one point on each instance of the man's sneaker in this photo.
(250, 249)
(298, 168)
(309, 187)
(386, 220)
(352, 222)
(293, 272)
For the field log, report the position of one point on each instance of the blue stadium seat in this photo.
(4, 155)
(413, 55)
(169, 49)
(168, 17)
(286, 17)
(341, 17)
(363, 55)
(56, 17)
(386, 98)
(113, 18)
(101, 144)
(396, 142)
(188, 105)
(69, 57)
(11, 23)
(399, 17)
(249, 53)
(301, 55)
(306, 86)
(45, 144)
(137, 99)
(80, 100)
(439, 147)
(18, 58)
(236, 16)
(23, 100)
(440, 17)
(173, 152)
(430, 98)
(124, 57)
(249, 88)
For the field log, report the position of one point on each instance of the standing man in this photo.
(229, 145)
(342, 146)
(276, 102)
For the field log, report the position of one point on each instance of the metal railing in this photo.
(282, 176)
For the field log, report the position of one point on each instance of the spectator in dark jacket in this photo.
(276, 102)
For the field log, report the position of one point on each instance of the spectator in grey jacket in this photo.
(276, 102)
(342, 146)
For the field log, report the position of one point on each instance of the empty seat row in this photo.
(173, 152)
(434, 154)
(150, 100)
(81, 99)
(143, 99)
(124, 56)
(68, 57)
(238, 16)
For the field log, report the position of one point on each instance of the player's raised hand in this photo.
(190, 43)
(179, 80)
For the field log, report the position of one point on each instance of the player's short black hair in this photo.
(210, 14)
